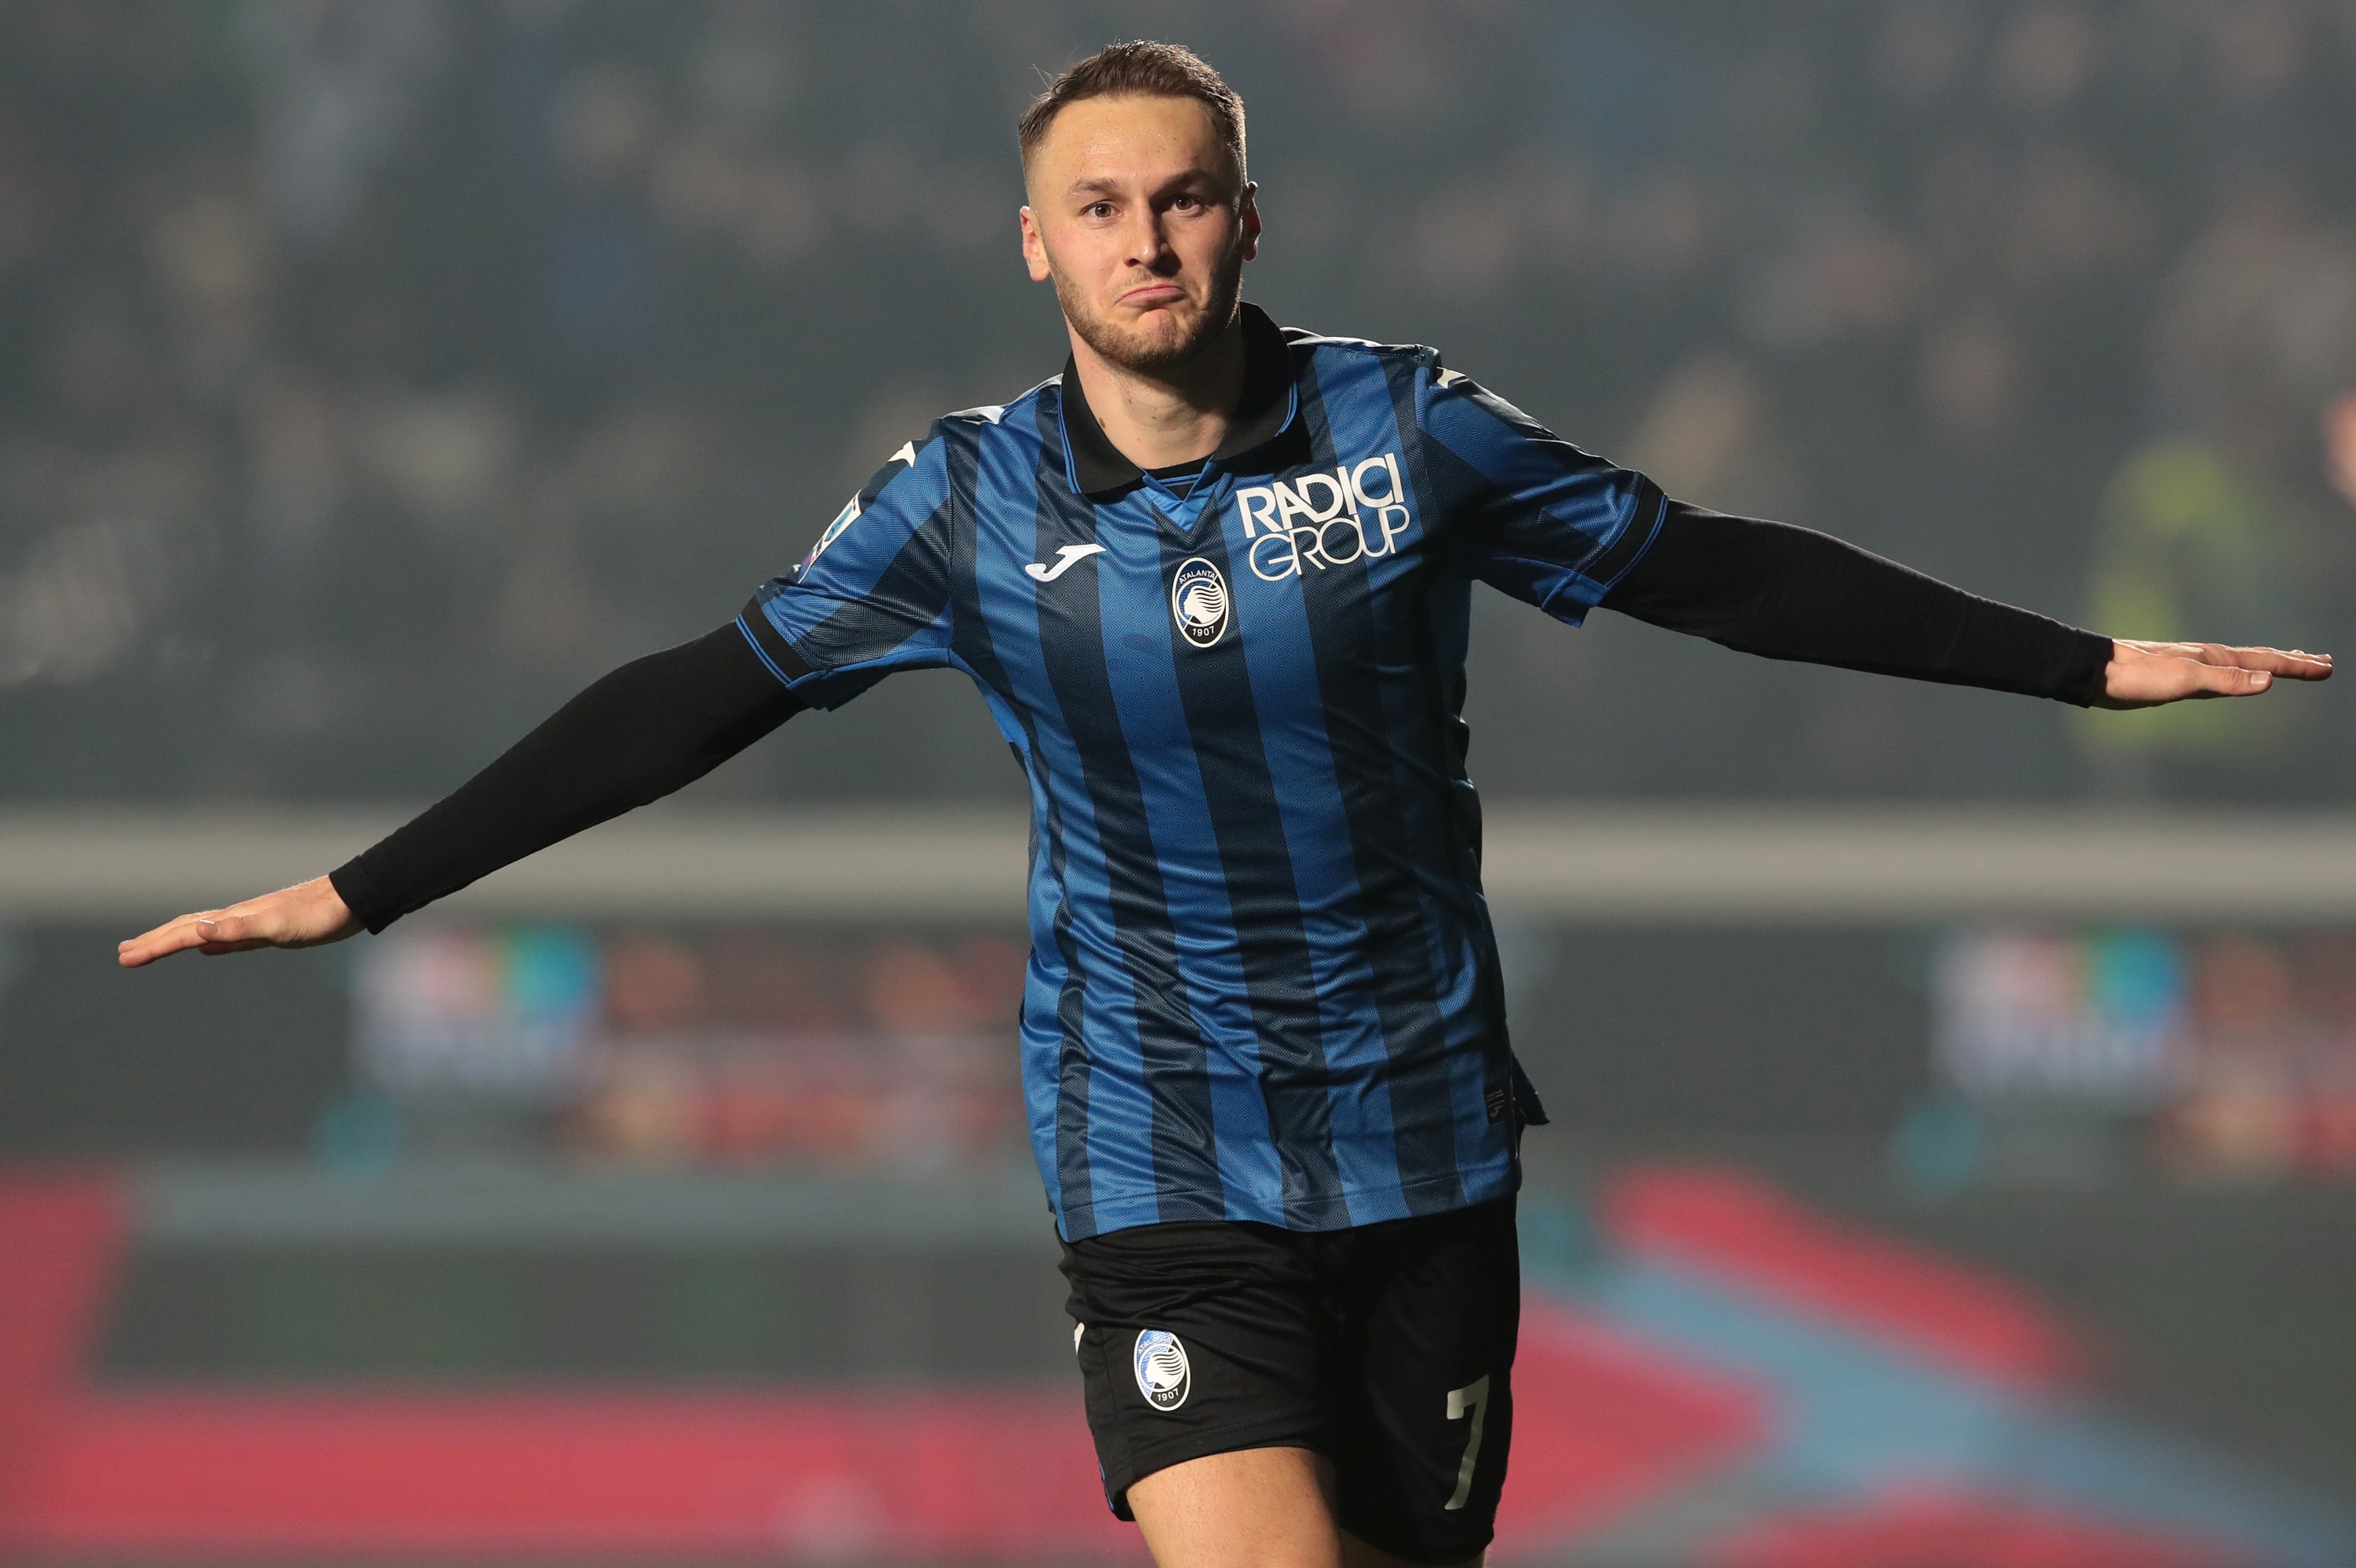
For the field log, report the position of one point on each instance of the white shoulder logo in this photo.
(850, 513)
(1067, 558)
(843, 519)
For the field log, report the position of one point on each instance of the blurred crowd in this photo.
(372, 375)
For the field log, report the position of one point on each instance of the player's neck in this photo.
(1175, 417)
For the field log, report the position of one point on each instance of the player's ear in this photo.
(1247, 208)
(1035, 249)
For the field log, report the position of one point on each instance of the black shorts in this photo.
(1388, 1347)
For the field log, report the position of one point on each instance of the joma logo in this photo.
(1324, 519)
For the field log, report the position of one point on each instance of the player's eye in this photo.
(1096, 209)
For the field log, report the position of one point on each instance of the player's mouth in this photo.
(1153, 296)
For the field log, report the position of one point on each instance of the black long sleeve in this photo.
(653, 726)
(1791, 594)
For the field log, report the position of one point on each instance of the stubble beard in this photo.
(1145, 353)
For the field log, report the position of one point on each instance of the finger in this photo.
(173, 937)
(2165, 650)
(2224, 680)
(250, 944)
(2297, 664)
(166, 929)
(228, 925)
(2280, 661)
(209, 931)
(2154, 681)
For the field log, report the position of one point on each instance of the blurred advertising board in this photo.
(878, 1051)
(2204, 1054)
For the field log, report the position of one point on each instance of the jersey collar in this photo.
(1271, 400)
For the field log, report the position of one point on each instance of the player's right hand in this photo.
(305, 915)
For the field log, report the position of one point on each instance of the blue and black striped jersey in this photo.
(1263, 983)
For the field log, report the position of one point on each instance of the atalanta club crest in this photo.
(1162, 1375)
(1199, 601)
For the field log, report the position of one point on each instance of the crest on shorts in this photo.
(1162, 1375)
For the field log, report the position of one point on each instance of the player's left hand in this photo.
(2145, 674)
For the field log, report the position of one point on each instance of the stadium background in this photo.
(373, 375)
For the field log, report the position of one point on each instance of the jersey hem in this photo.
(1337, 1202)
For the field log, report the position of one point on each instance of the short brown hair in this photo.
(1139, 69)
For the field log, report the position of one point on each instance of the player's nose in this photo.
(1149, 243)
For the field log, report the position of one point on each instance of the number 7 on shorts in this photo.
(1472, 1400)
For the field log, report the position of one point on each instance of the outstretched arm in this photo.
(1791, 594)
(652, 727)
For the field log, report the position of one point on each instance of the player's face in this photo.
(1140, 217)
